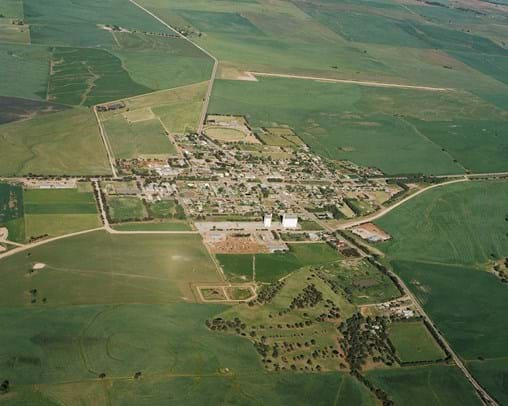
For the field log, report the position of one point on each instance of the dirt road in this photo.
(354, 82)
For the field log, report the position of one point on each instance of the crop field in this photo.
(126, 208)
(138, 139)
(492, 374)
(12, 8)
(59, 211)
(272, 267)
(13, 33)
(166, 225)
(414, 343)
(98, 267)
(367, 124)
(63, 143)
(425, 385)
(461, 229)
(24, 71)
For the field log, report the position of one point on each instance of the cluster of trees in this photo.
(380, 394)
(364, 338)
(309, 297)
(4, 387)
(219, 324)
(332, 314)
(267, 293)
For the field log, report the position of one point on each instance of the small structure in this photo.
(289, 220)
(267, 220)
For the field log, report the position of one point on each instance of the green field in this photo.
(364, 124)
(425, 385)
(100, 268)
(166, 209)
(126, 208)
(154, 226)
(414, 343)
(460, 229)
(59, 211)
(139, 139)
(272, 267)
(63, 143)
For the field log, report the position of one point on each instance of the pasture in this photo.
(63, 143)
(425, 385)
(102, 268)
(414, 343)
(272, 267)
(366, 124)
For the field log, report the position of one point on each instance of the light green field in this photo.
(166, 209)
(126, 208)
(425, 385)
(59, 211)
(11, 8)
(272, 267)
(63, 143)
(13, 33)
(139, 139)
(460, 228)
(414, 343)
(365, 124)
(98, 267)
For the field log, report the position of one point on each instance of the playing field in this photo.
(414, 343)
(272, 267)
(63, 143)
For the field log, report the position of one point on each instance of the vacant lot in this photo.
(414, 343)
(126, 208)
(64, 143)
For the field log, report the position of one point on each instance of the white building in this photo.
(267, 221)
(289, 220)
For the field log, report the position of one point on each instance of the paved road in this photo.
(355, 82)
(208, 95)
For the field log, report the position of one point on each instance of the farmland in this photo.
(445, 264)
(373, 123)
(63, 143)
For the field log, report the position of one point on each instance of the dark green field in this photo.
(12, 210)
(272, 267)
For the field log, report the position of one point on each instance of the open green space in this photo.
(414, 343)
(272, 267)
(360, 282)
(138, 139)
(63, 143)
(53, 212)
(493, 374)
(126, 208)
(98, 267)
(15, 108)
(11, 9)
(366, 124)
(166, 209)
(425, 385)
(442, 245)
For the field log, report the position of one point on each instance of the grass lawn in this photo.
(414, 343)
(272, 267)
(63, 143)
